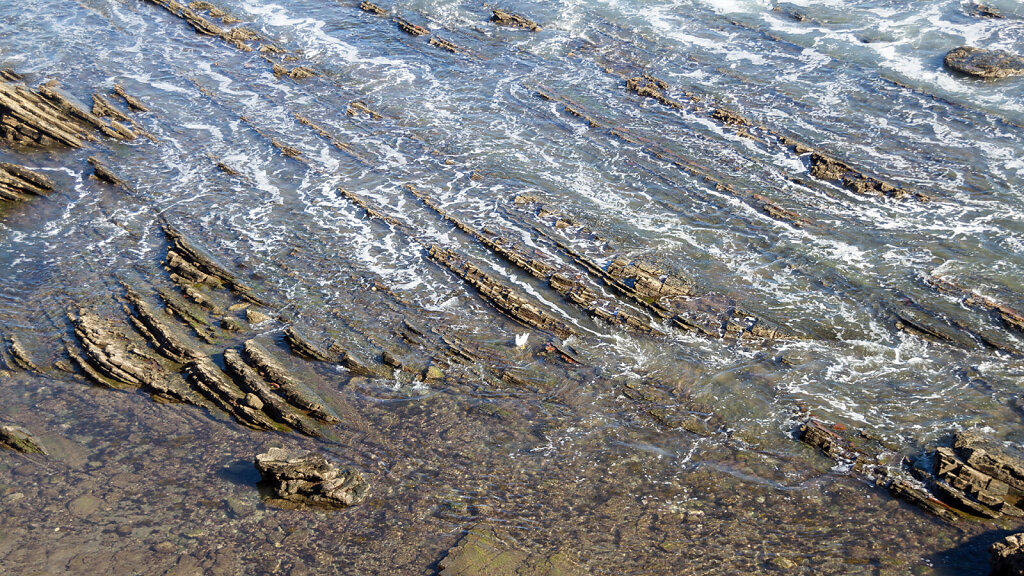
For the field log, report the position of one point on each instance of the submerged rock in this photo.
(20, 440)
(485, 550)
(1006, 557)
(984, 63)
(309, 478)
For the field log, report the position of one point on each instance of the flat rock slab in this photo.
(984, 63)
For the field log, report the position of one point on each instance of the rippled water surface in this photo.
(576, 457)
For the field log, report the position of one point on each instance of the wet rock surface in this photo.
(972, 478)
(309, 479)
(984, 63)
(506, 18)
(18, 184)
(46, 117)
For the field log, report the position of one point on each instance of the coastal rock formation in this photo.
(984, 63)
(160, 356)
(410, 28)
(566, 282)
(372, 8)
(310, 479)
(501, 296)
(20, 440)
(45, 117)
(1006, 557)
(973, 478)
(18, 183)
(505, 18)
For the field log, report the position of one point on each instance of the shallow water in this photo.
(571, 461)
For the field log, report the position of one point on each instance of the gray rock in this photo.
(984, 63)
(309, 478)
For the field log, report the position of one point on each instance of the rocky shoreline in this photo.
(203, 335)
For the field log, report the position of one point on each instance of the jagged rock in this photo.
(303, 347)
(309, 478)
(186, 257)
(410, 28)
(44, 117)
(20, 355)
(1006, 557)
(986, 11)
(102, 107)
(103, 173)
(651, 87)
(827, 168)
(113, 360)
(214, 11)
(984, 63)
(250, 381)
(20, 440)
(916, 495)
(237, 37)
(18, 183)
(132, 102)
(831, 443)
(778, 212)
(162, 337)
(503, 297)
(286, 386)
(372, 8)
(255, 316)
(296, 73)
(648, 281)
(564, 281)
(189, 314)
(215, 386)
(361, 107)
(505, 18)
(445, 45)
(729, 118)
(986, 459)
(485, 550)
